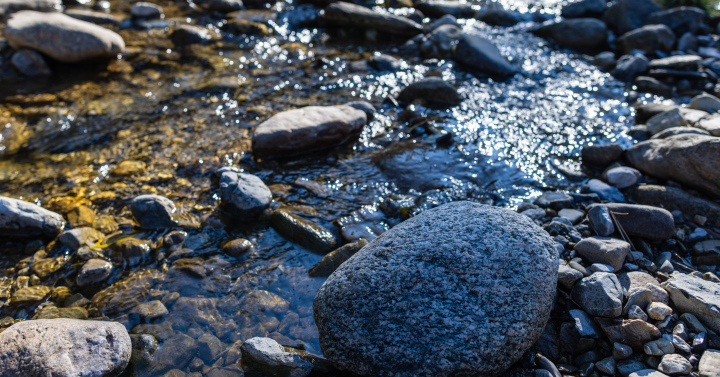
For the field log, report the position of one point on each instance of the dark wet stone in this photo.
(260, 301)
(601, 154)
(345, 14)
(577, 33)
(633, 332)
(30, 63)
(307, 129)
(61, 37)
(626, 15)
(584, 325)
(357, 316)
(649, 38)
(97, 18)
(386, 63)
(267, 356)
(22, 219)
(222, 6)
(690, 159)
(600, 220)
(94, 271)
(627, 367)
(605, 60)
(189, 34)
(644, 221)
(681, 19)
(584, 8)
(176, 352)
(433, 90)
(599, 294)
(630, 66)
(555, 200)
(302, 232)
(480, 55)
(649, 110)
(29, 295)
(238, 247)
(146, 10)
(609, 251)
(131, 250)
(363, 106)
(500, 17)
(572, 215)
(439, 8)
(335, 258)
(210, 348)
(64, 347)
(440, 42)
(153, 211)
(78, 237)
(652, 85)
(148, 311)
(244, 195)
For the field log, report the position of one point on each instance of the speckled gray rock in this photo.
(307, 129)
(600, 294)
(61, 37)
(22, 219)
(610, 251)
(153, 211)
(243, 195)
(709, 364)
(267, 356)
(64, 348)
(461, 289)
(696, 296)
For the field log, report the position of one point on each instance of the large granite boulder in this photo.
(22, 219)
(693, 160)
(350, 15)
(61, 37)
(64, 348)
(461, 289)
(307, 129)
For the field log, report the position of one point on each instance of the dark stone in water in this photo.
(350, 15)
(238, 247)
(244, 195)
(626, 15)
(584, 8)
(153, 211)
(480, 55)
(439, 8)
(30, 63)
(434, 90)
(176, 352)
(400, 307)
(302, 232)
(577, 33)
(335, 258)
(601, 154)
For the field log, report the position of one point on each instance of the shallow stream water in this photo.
(182, 114)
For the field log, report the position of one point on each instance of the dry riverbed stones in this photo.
(460, 289)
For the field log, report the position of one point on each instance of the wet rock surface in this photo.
(385, 349)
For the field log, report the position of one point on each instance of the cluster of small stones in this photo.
(637, 289)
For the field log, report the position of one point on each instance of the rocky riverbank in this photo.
(222, 188)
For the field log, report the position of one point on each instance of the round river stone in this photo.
(460, 290)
